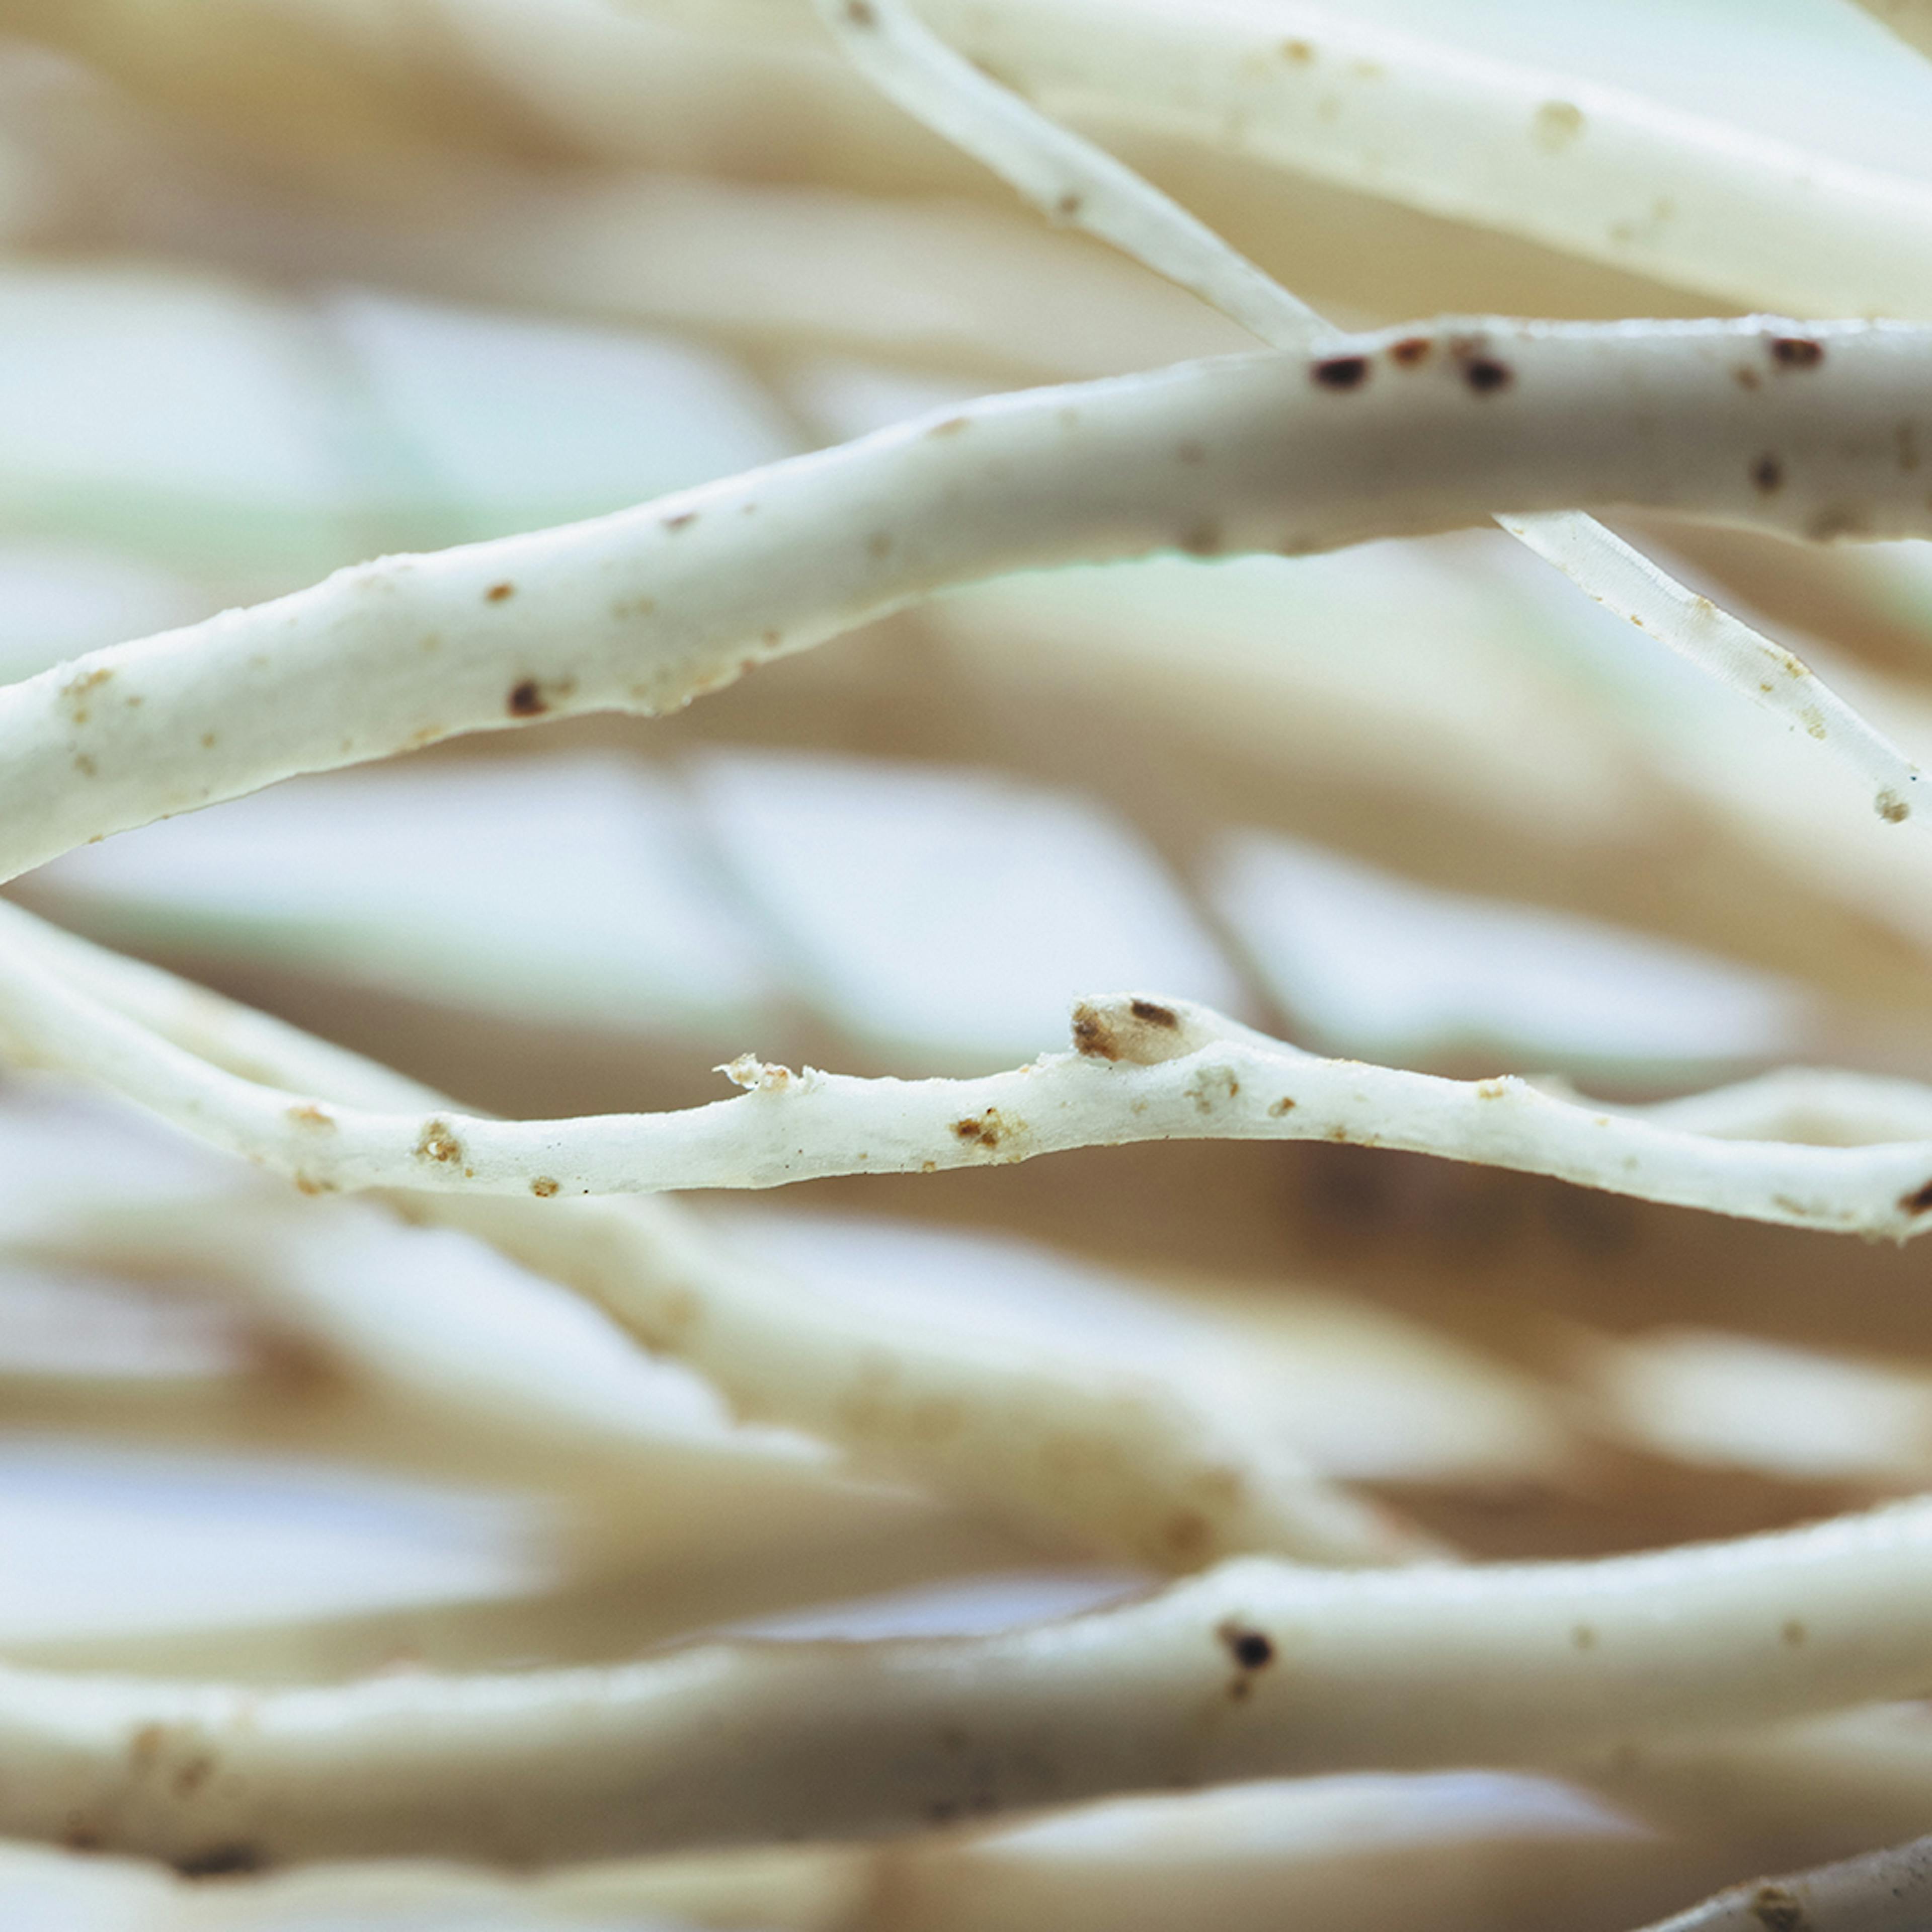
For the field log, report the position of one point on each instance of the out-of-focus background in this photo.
(288, 283)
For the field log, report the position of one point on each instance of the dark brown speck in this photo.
(1341, 372)
(229, 1861)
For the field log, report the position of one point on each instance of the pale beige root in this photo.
(1256, 1668)
(1792, 1793)
(765, 1555)
(1456, 1852)
(1911, 20)
(808, 1889)
(1054, 1447)
(1579, 167)
(644, 1531)
(1362, 702)
(773, 268)
(1889, 1891)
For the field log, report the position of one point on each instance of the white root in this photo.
(1398, 432)
(1069, 178)
(1258, 1668)
(1826, 1107)
(1622, 579)
(1142, 1070)
(1598, 172)
(1058, 1448)
(1889, 1891)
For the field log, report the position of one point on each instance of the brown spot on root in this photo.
(1068, 207)
(879, 544)
(1793, 1632)
(1341, 372)
(146, 1746)
(83, 764)
(1411, 352)
(1210, 1087)
(75, 689)
(307, 1183)
(1918, 1200)
(1251, 1649)
(1284, 1105)
(231, 1860)
(683, 520)
(526, 700)
(1745, 377)
(1142, 1031)
(543, 1187)
(1298, 53)
(293, 1367)
(1092, 1035)
(1485, 375)
(1203, 540)
(192, 1775)
(980, 1129)
(951, 426)
(308, 1114)
(438, 1143)
(1891, 808)
(1557, 124)
(1839, 519)
(1795, 351)
(80, 1835)
(498, 592)
(1767, 473)
(1186, 1535)
(1777, 1909)
(860, 14)
(1584, 1637)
